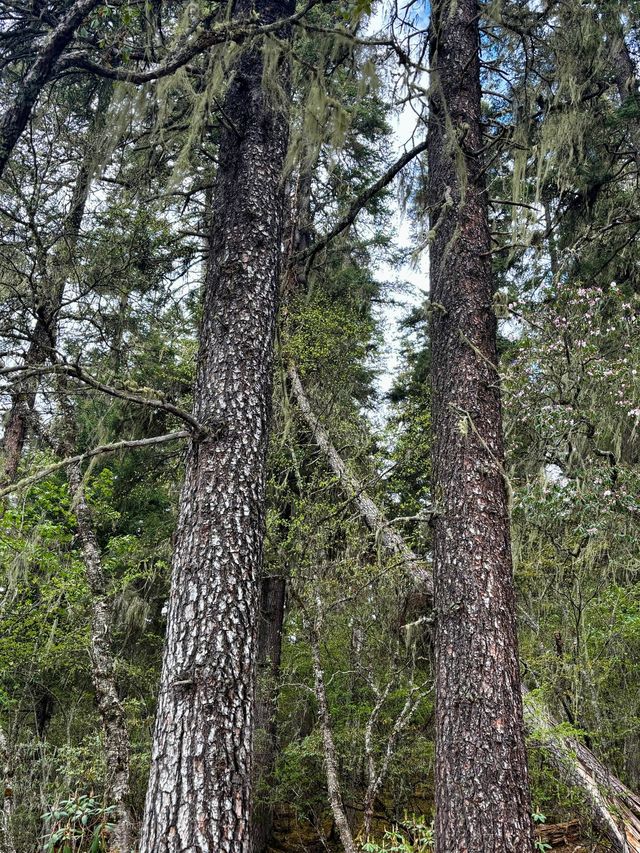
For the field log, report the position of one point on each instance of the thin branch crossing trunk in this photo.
(613, 808)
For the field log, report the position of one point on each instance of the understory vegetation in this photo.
(110, 232)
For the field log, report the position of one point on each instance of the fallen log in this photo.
(612, 807)
(389, 537)
(559, 834)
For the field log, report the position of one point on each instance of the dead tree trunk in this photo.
(199, 794)
(114, 721)
(612, 807)
(355, 491)
(330, 754)
(482, 788)
(51, 291)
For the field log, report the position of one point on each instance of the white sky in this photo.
(411, 278)
(409, 282)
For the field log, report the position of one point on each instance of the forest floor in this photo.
(293, 836)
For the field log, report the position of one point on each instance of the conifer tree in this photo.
(200, 787)
(482, 790)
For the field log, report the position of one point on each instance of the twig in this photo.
(363, 199)
(79, 373)
(96, 451)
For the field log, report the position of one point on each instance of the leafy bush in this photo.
(78, 825)
(413, 837)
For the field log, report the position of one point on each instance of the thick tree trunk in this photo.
(624, 71)
(613, 808)
(482, 790)
(199, 795)
(272, 597)
(15, 119)
(114, 721)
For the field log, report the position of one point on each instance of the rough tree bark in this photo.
(199, 795)
(482, 790)
(625, 75)
(114, 721)
(613, 808)
(15, 119)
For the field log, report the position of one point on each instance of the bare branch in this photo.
(371, 514)
(361, 201)
(330, 754)
(89, 454)
(79, 373)
(237, 31)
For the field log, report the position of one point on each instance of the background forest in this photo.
(108, 219)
